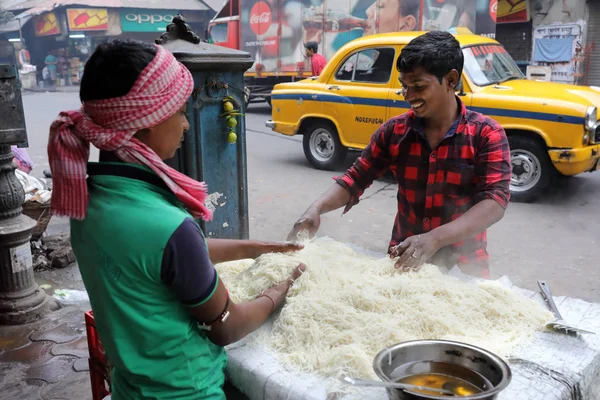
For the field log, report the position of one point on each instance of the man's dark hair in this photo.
(314, 46)
(435, 52)
(410, 7)
(113, 68)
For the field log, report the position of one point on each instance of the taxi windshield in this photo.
(490, 64)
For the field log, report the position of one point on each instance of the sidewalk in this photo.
(53, 89)
(47, 359)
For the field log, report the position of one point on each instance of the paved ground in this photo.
(46, 360)
(554, 239)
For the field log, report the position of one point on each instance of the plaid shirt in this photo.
(435, 187)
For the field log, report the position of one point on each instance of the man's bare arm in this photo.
(335, 197)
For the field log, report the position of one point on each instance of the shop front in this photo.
(514, 30)
(61, 41)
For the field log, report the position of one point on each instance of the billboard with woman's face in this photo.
(274, 31)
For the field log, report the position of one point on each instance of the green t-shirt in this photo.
(156, 348)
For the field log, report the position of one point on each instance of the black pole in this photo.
(21, 299)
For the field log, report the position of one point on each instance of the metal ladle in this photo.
(395, 385)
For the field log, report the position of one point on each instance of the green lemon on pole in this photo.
(232, 137)
(231, 122)
(227, 106)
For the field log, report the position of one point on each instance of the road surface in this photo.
(555, 239)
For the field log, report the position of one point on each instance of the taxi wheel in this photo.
(532, 170)
(322, 146)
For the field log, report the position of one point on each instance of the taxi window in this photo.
(218, 33)
(369, 65)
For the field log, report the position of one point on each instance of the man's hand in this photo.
(274, 247)
(313, 35)
(336, 196)
(309, 221)
(278, 292)
(415, 251)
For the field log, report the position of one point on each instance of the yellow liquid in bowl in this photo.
(438, 381)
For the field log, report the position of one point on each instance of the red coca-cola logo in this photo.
(260, 18)
(493, 9)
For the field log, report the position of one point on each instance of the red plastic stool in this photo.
(97, 361)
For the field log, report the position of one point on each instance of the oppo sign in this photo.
(149, 19)
(136, 20)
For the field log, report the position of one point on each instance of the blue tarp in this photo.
(553, 50)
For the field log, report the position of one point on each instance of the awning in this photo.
(49, 5)
(13, 25)
(40, 7)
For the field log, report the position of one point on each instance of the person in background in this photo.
(452, 166)
(51, 63)
(22, 55)
(162, 312)
(22, 159)
(317, 61)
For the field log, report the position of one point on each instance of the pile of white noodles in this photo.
(348, 306)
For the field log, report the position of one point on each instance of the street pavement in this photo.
(555, 239)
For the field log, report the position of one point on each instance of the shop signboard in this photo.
(141, 20)
(46, 25)
(274, 33)
(510, 11)
(87, 19)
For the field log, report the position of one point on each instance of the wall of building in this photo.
(517, 40)
(556, 20)
(546, 12)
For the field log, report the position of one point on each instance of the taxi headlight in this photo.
(591, 117)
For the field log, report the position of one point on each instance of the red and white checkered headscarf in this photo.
(161, 90)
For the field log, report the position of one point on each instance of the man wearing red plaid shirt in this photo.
(452, 166)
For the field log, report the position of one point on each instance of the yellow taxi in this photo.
(552, 128)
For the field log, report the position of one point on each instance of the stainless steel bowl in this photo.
(390, 365)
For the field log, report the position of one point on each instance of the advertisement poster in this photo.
(510, 11)
(274, 31)
(479, 16)
(87, 19)
(46, 25)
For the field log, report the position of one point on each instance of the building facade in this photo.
(59, 36)
(561, 35)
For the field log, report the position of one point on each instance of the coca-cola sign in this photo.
(260, 18)
(494, 9)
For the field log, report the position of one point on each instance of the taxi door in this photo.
(360, 89)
